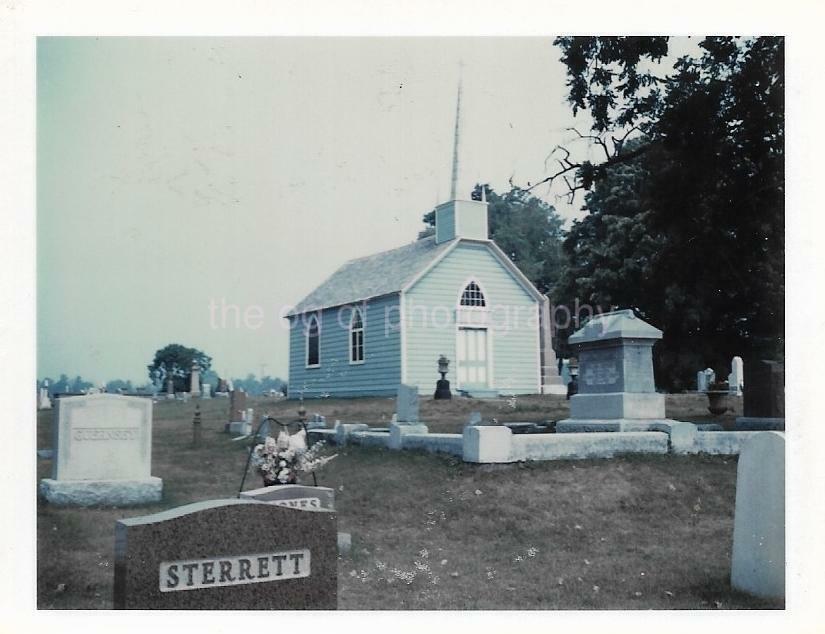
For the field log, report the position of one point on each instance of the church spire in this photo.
(454, 179)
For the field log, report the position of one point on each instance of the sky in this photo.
(191, 190)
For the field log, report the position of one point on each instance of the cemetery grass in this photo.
(431, 532)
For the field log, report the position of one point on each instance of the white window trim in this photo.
(307, 365)
(467, 282)
(363, 330)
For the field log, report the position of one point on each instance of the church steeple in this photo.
(454, 178)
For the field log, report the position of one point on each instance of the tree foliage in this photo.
(686, 221)
(176, 361)
(527, 229)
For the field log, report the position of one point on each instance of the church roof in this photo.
(374, 275)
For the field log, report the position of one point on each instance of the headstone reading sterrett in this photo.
(232, 554)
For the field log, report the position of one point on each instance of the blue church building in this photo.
(385, 319)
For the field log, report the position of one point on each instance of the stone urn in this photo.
(718, 399)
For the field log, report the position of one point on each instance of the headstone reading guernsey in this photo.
(407, 404)
(232, 554)
(616, 390)
(102, 452)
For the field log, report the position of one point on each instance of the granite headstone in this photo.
(764, 396)
(103, 452)
(758, 559)
(406, 404)
(232, 554)
(615, 375)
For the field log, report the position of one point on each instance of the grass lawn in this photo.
(432, 532)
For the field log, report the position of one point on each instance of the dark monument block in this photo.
(764, 396)
(764, 389)
(227, 555)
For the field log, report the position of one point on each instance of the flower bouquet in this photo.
(280, 460)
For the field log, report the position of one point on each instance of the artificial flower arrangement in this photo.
(280, 460)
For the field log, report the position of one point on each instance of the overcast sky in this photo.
(177, 174)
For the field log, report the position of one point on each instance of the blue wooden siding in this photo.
(515, 340)
(445, 223)
(380, 373)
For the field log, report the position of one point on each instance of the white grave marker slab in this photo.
(758, 562)
(103, 451)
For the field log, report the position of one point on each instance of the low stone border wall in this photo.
(723, 442)
(498, 444)
(452, 444)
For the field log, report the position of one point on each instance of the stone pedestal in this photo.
(442, 390)
(616, 390)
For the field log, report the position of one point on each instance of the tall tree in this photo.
(176, 361)
(686, 222)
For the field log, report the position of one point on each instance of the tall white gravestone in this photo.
(43, 401)
(195, 380)
(102, 452)
(406, 404)
(736, 378)
(616, 387)
(701, 381)
(758, 562)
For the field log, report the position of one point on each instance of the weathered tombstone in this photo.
(170, 388)
(317, 422)
(294, 496)
(43, 401)
(103, 452)
(616, 390)
(237, 407)
(207, 390)
(406, 405)
(195, 380)
(701, 381)
(232, 554)
(764, 396)
(758, 560)
(736, 378)
(565, 371)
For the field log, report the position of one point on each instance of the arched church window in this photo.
(313, 337)
(472, 296)
(356, 337)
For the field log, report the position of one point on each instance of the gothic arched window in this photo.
(473, 296)
(356, 337)
(313, 337)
